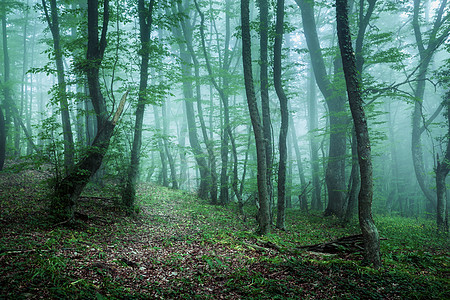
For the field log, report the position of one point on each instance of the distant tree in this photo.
(187, 28)
(335, 100)
(188, 94)
(427, 44)
(53, 23)
(368, 228)
(223, 94)
(263, 197)
(145, 23)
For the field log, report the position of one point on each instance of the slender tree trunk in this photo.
(4, 122)
(442, 170)
(165, 124)
(298, 157)
(162, 152)
(368, 228)
(265, 104)
(281, 215)
(316, 201)
(263, 197)
(354, 182)
(53, 24)
(145, 23)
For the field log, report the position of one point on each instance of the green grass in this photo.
(180, 247)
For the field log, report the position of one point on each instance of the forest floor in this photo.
(180, 247)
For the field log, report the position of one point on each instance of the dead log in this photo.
(346, 244)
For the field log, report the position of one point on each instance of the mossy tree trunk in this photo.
(368, 228)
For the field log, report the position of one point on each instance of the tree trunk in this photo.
(298, 156)
(265, 104)
(2, 139)
(426, 53)
(442, 170)
(188, 94)
(316, 201)
(145, 23)
(53, 24)
(69, 188)
(335, 172)
(368, 228)
(263, 215)
(281, 215)
(173, 172)
(354, 182)
(187, 28)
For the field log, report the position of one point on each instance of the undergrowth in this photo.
(180, 247)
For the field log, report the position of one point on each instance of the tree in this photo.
(145, 23)
(6, 90)
(263, 197)
(188, 93)
(53, 24)
(284, 115)
(443, 166)
(70, 187)
(222, 90)
(263, 77)
(187, 28)
(368, 228)
(436, 37)
(335, 99)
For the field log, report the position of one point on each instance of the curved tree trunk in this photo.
(368, 228)
(187, 28)
(281, 215)
(70, 187)
(263, 197)
(426, 53)
(335, 172)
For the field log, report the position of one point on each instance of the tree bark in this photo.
(263, 199)
(368, 228)
(145, 23)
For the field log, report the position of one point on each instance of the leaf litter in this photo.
(177, 247)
